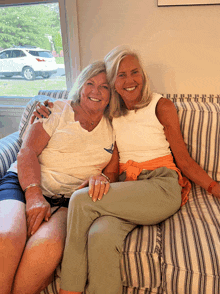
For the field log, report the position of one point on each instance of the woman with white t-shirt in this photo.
(57, 155)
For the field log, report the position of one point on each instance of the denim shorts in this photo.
(11, 189)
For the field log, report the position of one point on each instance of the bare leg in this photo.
(42, 255)
(12, 240)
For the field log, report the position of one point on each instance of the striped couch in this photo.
(182, 254)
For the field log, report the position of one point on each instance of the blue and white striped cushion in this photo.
(56, 94)
(140, 258)
(200, 126)
(190, 245)
(10, 146)
(30, 107)
(42, 96)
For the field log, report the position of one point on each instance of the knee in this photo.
(79, 198)
(103, 236)
(10, 240)
(45, 252)
(50, 246)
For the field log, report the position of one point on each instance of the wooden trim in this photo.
(24, 2)
(70, 37)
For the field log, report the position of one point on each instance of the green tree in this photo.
(58, 42)
(28, 25)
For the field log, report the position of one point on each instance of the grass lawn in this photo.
(21, 87)
(59, 60)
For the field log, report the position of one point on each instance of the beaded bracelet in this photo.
(211, 186)
(31, 185)
(107, 178)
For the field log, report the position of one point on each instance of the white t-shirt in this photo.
(140, 135)
(73, 154)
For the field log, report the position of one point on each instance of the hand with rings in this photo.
(98, 186)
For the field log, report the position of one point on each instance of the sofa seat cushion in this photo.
(191, 246)
(140, 262)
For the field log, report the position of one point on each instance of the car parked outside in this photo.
(28, 61)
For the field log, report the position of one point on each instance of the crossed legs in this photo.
(144, 202)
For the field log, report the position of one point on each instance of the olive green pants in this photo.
(96, 230)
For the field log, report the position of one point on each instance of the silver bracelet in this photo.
(107, 178)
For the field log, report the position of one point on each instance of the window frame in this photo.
(70, 36)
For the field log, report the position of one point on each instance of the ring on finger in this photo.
(103, 182)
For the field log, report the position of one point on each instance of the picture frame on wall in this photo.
(186, 2)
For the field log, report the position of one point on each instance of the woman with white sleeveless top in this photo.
(151, 186)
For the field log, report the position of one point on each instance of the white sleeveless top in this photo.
(140, 135)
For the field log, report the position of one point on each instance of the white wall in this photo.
(180, 46)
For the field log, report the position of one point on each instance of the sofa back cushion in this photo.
(199, 121)
(30, 107)
(200, 125)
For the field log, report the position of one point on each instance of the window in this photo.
(31, 53)
(14, 97)
(17, 54)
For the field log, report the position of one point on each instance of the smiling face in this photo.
(129, 81)
(95, 93)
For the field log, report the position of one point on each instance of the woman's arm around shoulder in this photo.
(42, 110)
(167, 115)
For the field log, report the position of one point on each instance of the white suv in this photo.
(28, 61)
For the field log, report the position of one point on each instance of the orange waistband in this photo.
(133, 170)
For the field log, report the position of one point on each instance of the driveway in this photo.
(60, 73)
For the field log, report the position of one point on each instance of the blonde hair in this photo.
(87, 73)
(112, 61)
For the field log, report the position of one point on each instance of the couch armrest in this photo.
(9, 147)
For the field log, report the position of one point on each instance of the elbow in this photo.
(21, 154)
(24, 154)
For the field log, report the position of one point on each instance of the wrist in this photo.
(35, 191)
(31, 186)
(212, 186)
(106, 177)
(216, 191)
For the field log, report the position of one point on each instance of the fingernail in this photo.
(32, 233)
(99, 199)
(90, 195)
(94, 200)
